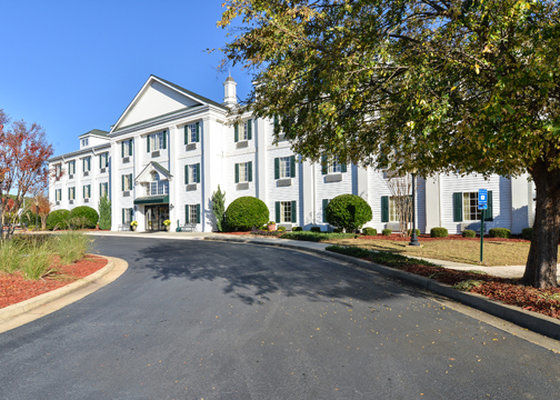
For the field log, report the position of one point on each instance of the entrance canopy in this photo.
(163, 199)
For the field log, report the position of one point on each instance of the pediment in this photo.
(146, 175)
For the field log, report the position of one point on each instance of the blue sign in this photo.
(482, 199)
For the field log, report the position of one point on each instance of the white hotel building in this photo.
(171, 148)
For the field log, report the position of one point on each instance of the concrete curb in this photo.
(533, 321)
(26, 311)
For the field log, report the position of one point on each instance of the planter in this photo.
(132, 228)
(271, 227)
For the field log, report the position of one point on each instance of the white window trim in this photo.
(243, 172)
(467, 213)
(285, 165)
(156, 141)
(286, 208)
(72, 193)
(192, 132)
(161, 187)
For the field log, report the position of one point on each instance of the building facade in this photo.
(171, 149)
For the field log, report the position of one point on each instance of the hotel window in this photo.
(126, 148)
(284, 167)
(127, 215)
(103, 189)
(390, 207)
(192, 173)
(85, 142)
(192, 133)
(156, 141)
(244, 172)
(465, 207)
(192, 213)
(286, 211)
(71, 193)
(103, 160)
(126, 182)
(159, 187)
(243, 132)
(58, 195)
(57, 171)
(72, 167)
(86, 191)
(333, 166)
(86, 164)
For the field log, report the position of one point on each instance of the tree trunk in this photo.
(541, 267)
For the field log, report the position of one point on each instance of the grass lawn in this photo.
(464, 251)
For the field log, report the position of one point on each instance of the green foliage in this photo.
(297, 229)
(439, 232)
(369, 231)
(246, 213)
(30, 219)
(315, 229)
(527, 233)
(71, 246)
(218, 208)
(83, 217)
(348, 212)
(380, 257)
(499, 233)
(10, 255)
(309, 236)
(37, 261)
(467, 285)
(104, 213)
(281, 229)
(409, 232)
(58, 219)
(386, 232)
(468, 233)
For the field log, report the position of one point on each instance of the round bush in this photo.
(245, 213)
(297, 229)
(499, 233)
(348, 212)
(58, 219)
(527, 233)
(86, 216)
(468, 233)
(316, 229)
(439, 232)
(409, 232)
(369, 231)
(387, 232)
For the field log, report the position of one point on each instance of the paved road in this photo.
(208, 320)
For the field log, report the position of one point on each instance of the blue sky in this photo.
(72, 66)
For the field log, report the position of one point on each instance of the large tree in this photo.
(23, 168)
(469, 86)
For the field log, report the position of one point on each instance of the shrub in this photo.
(499, 233)
(409, 232)
(218, 208)
(281, 229)
(297, 229)
(468, 233)
(337, 230)
(30, 219)
(37, 261)
(315, 236)
(83, 217)
(386, 232)
(58, 219)
(104, 213)
(369, 231)
(316, 229)
(10, 255)
(439, 232)
(527, 233)
(348, 212)
(71, 247)
(245, 213)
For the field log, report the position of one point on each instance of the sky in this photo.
(73, 66)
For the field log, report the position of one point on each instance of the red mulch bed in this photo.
(428, 238)
(15, 288)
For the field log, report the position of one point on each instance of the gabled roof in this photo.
(193, 97)
(96, 132)
(152, 165)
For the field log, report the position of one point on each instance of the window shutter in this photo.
(236, 173)
(186, 174)
(277, 209)
(130, 182)
(164, 134)
(294, 211)
(122, 215)
(197, 169)
(148, 143)
(343, 168)
(187, 214)
(122, 149)
(384, 208)
(325, 204)
(130, 147)
(100, 190)
(249, 129)
(457, 207)
(122, 182)
(276, 168)
(293, 166)
(198, 132)
(324, 165)
(236, 132)
(489, 213)
(186, 134)
(276, 122)
(198, 213)
(250, 168)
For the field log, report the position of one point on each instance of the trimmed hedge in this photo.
(439, 232)
(86, 216)
(348, 212)
(369, 231)
(246, 213)
(386, 232)
(468, 233)
(316, 236)
(297, 229)
(527, 233)
(58, 219)
(316, 229)
(499, 233)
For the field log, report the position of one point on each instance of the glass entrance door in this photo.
(155, 215)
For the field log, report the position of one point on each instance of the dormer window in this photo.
(85, 142)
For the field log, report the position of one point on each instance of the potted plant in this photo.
(166, 223)
(271, 226)
(133, 225)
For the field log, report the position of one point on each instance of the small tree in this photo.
(23, 168)
(400, 187)
(219, 208)
(104, 213)
(348, 212)
(41, 206)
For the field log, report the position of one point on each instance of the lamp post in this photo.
(413, 238)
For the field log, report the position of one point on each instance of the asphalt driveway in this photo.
(209, 320)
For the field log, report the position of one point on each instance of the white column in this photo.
(114, 185)
(308, 186)
(432, 202)
(521, 203)
(260, 173)
(174, 141)
(207, 180)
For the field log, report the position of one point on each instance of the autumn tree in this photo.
(23, 168)
(453, 86)
(41, 206)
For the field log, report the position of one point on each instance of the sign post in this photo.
(482, 206)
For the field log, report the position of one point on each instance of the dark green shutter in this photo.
(277, 168)
(249, 129)
(488, 214)
(457, 207)
(343, 167)
(164, 134)
(384, 208)
(197, 132)
(236, 132)
(236, 173)
(276, 122)
(148, 143)
(186, 174)
(122, 215)
(197, 173)
(325, 204)
(186, 134)
(277, 209)
(122, 149)
(122, 182)
(324, 165)
(294, 211)
(186, 214)
(250, 167)
(198, 213)
(130, 147)
(292, 166)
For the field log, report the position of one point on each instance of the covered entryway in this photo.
(155, 215)
(153, 180)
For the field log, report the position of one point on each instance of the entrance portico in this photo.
(152, 207)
